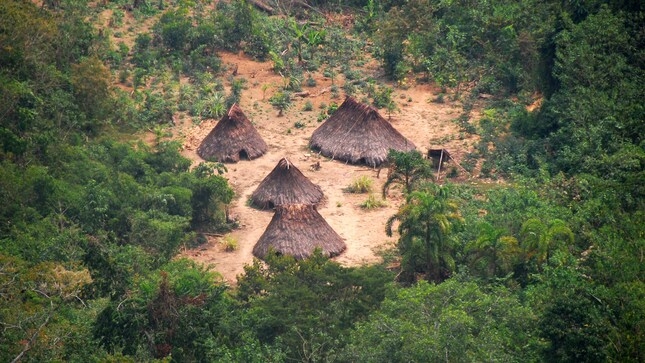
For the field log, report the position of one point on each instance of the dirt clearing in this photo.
(424, 123)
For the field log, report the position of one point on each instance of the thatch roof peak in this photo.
(351, 102)
(286, 184)
(297, 230)
(284, 163)
(358, 134)
(232, 139)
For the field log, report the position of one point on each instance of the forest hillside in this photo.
(119, 243)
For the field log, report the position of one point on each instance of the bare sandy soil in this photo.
(424, 123)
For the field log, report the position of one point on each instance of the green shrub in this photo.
(322, 116)
(349, 89)
(383, 97)
(124, 74)
(334, 92)
(294, 84)
(308, 106)
(350, 74)
(310, 82)
(281, 101)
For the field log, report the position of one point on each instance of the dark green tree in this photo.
(306, 308)
(573, 316)
(494, 252)
(455, 321)
(426, 222)
(211, 196)
(407, 169)
(179, 310)
(539, 240)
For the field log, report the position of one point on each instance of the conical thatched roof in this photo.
(358, 134)
(297, 230)
(286, 184)
(232, 139)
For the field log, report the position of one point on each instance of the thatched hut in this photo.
(232, 139)
(358, 134)
(297, 230)
(286, 184)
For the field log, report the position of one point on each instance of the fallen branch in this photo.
(262, 6)
(213, 234)
(323, 91)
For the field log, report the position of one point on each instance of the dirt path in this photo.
(423, 122)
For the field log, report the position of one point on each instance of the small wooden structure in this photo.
(438, 157)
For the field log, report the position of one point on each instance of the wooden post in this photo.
(439, 167)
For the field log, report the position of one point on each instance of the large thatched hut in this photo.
(286, 184)
(358, 134)
(297, 230)
(232, 139)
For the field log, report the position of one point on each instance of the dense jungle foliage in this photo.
(548, 266)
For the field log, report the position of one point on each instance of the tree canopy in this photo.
(544, 264)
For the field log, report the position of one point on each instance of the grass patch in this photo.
(361, 184)
(373, 202)
(229, 243)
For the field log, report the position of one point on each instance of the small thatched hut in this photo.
(286, 184)
(297, 230)
(232, 139)
(358, 134)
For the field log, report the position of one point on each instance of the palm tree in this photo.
(426, 222)
(496, 249)
(407, 169)
(539, 240)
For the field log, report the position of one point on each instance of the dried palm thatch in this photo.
(232, 139)
(297, 230)
(286, 184)
(358, 134)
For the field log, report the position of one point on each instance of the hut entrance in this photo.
(244, 155)
(438, 157)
